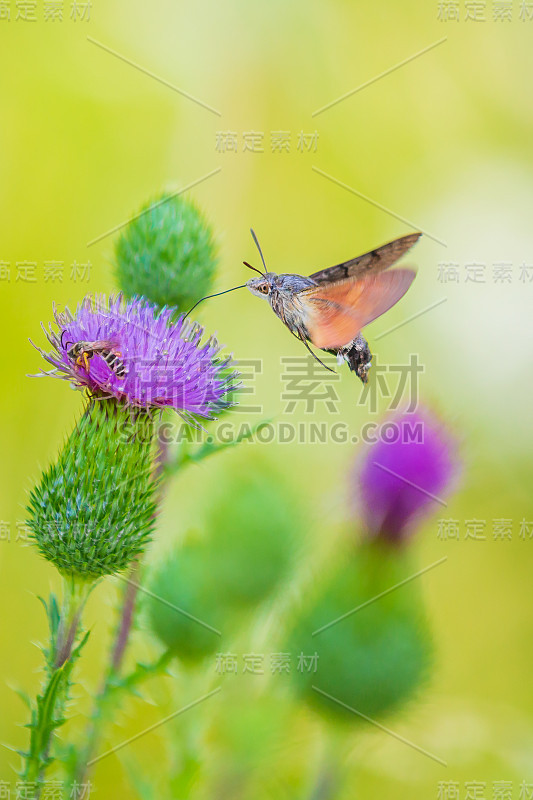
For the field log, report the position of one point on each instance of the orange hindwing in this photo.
(335, 313)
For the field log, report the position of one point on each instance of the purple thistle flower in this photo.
(404, 474)
(141, 355)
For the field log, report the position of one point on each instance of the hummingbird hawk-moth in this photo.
(329, 308)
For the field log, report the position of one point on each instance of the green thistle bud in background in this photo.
(254, 526)
(92, 511)
(184, 607)
(371, 645)
(166, 254)
(248, 549)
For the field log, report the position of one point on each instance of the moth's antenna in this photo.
(207, 297)
(254, 237)
(246, 264)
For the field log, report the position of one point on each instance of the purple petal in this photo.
(405, 474)
(164, 362)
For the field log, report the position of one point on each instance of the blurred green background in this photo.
(444, 144)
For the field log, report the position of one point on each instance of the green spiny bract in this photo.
(166, 254)
(93, 511)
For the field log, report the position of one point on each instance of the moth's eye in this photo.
(264, 289)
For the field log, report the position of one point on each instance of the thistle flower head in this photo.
(141, 355)
(404, 474)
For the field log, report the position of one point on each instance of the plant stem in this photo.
(126, 618)
(75, 594)
(130, 594)
(331, 771)
(61, 656)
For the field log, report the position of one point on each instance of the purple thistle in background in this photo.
(404, 474)
(141, 355)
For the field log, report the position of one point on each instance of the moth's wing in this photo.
(335, 313)
(374, 261)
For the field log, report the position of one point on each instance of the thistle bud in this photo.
(184, 608)
(92, 512)
(166, 254)
(254, 527)
(365, 646)
(201, 590)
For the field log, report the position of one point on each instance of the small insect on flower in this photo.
(143, 355)
(81, 352)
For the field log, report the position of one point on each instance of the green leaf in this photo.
(47, 715)
(210, 448)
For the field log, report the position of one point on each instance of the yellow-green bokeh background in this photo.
(444, 142)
